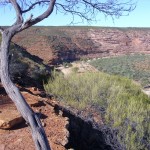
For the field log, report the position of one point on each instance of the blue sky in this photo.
(140, 17)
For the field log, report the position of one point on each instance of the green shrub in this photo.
(127, 108)
(136, 67)
(24, 66)
(75, 69)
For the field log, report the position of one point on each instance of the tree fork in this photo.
(38, 133)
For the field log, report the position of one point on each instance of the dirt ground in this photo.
(19, 138)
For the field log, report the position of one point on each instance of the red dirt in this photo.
(19, 138)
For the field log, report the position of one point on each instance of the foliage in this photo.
(23, 65)
(126, 107)
(136, 67)
(75, 69)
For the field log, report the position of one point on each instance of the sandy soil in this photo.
(19, 138)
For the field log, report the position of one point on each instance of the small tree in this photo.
(85, 9)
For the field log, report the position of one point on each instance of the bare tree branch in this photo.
(33, 5)
(18, 11)
(29, 23)
(88, 9)
(73, 12)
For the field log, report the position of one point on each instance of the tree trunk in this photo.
(38, 133)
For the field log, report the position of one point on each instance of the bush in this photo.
(127, 108)
(136, 67)
(24, 66)
(75, 69)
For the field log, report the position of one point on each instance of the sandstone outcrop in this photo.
(9, 118)
(55, 45)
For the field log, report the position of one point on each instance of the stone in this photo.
(147, 91)
(101, 42)
(43, 123)
(9, 118)
(32, 100)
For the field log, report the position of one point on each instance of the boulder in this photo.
(32, 100)
(9, 118)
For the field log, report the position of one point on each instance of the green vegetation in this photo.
(22, 64)
(136, 67)
(126, 107)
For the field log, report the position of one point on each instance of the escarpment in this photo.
(58, 44)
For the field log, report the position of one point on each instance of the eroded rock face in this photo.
(55, 45)
(87, 131)
(120, 41)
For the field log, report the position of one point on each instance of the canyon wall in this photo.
(57, 44)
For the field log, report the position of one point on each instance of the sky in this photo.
(140, 17)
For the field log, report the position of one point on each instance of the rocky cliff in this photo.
(57, 44)
(121, 41)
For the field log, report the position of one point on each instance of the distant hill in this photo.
(57, 44)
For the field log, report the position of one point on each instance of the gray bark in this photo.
(38, 133)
